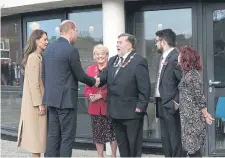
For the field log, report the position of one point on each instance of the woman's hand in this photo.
(95, 97)
(208, 119)
(42, 110)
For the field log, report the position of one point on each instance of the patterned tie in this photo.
(118, 68)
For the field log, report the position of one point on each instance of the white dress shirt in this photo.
(164, 56)
(125, 56)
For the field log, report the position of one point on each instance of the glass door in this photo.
(215, 50)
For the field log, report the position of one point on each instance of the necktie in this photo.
(118, 68)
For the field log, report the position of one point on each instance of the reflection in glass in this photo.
(90, 34)
(220, 129)
(10, 54)
(49, 26)
(147, 23)
(219, 46)
(10, 72)
(219, 69)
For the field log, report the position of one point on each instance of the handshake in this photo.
(97, 81)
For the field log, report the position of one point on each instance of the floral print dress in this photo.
(192, 100)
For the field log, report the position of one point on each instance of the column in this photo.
(113, 25)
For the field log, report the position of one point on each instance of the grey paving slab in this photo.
(8, 149)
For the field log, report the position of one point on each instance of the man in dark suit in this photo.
(61, 71)
(127, 78)
(166, 93)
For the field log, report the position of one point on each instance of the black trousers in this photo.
(170, 131)
(129, 136)
(61, 132)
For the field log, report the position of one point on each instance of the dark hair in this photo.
(130, 38)
(31, 45)
(189, 59)
(168, 35)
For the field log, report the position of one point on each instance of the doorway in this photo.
(215, 54)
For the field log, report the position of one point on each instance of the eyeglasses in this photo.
(156, 41)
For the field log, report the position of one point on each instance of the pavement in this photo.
(9, 149)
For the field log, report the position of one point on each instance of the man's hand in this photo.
(137, 110)
(97, 81)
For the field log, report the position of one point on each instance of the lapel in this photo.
(164, 66)
(123, 68)
(111, 69)
(39, 55)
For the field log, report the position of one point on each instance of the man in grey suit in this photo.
(167, 94)
(61, 71)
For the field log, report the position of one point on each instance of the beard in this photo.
(160, 50)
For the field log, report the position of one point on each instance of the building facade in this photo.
(200, 23)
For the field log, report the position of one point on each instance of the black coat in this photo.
(130, 89)
(169, 79)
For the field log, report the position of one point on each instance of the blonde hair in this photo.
(102, 48)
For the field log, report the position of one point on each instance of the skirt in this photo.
(102, 129)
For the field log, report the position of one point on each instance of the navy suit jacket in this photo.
(61, 71)
(129, 89)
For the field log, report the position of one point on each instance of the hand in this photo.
(98, 96)
(208, 119)
(94, 97)
(42, 110)
(97, 81)
(137, 110)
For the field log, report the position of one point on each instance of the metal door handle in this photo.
(214, 82)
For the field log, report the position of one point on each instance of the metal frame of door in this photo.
(209, 72)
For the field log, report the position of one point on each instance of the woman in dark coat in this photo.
(193, 110)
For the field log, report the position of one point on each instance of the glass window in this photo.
(219, 46)
(219, 69)
(10, 72)
(147, 23)
(90, 34)
(49, 26)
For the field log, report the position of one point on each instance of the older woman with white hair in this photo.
(102, 128)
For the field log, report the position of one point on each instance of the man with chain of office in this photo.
(127, 77)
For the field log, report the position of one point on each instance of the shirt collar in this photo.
(166, 53)
(125, 56)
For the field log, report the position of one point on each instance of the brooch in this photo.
(165, 62)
